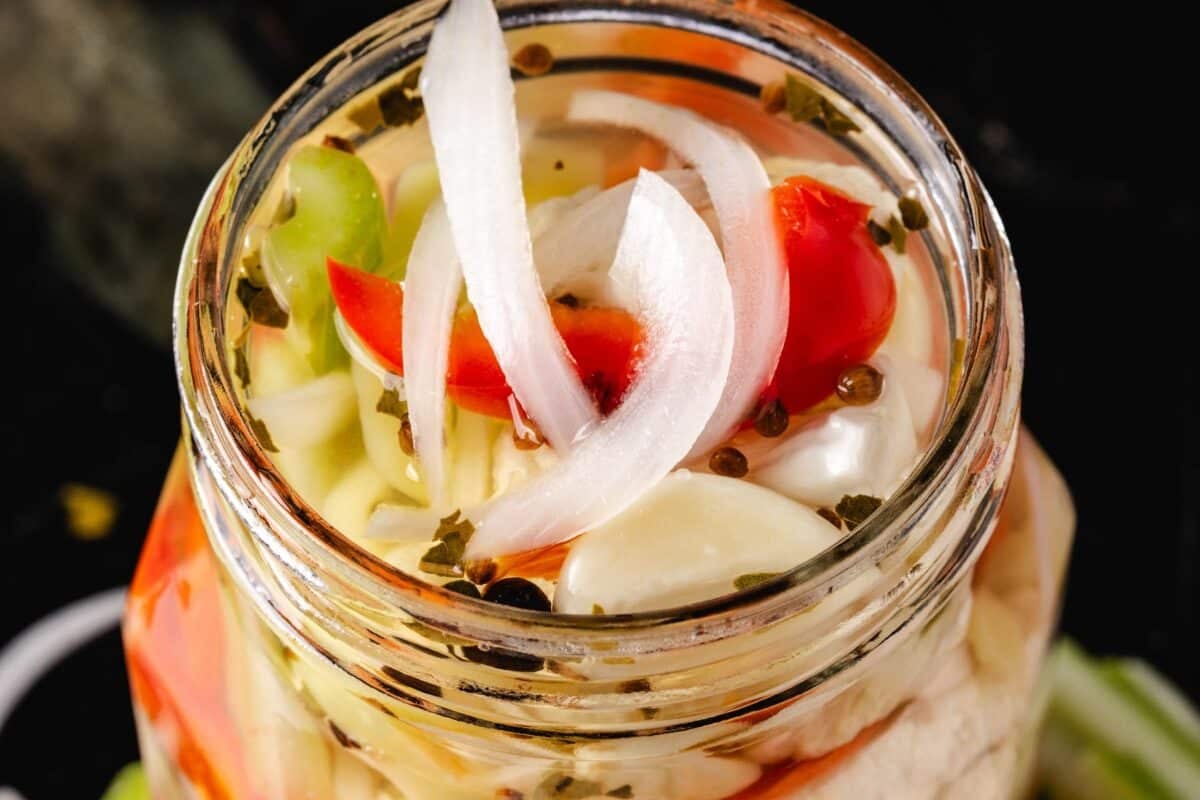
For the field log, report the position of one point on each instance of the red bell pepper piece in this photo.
(604, 342)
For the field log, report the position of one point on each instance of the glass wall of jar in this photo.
(271, 657)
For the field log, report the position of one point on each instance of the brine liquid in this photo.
(347, 476)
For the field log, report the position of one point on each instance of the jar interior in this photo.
(709, 68)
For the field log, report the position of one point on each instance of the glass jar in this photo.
(271, 658)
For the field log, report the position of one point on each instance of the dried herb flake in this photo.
(564, 787)
(445, 557)
(452, 523)
(261, 433)
(390, 403)
(260, 304)
(751, 579)
(806, 104)
(625, 792)
(241, 366)
(401, 104)
(343, 738)
(854, 509)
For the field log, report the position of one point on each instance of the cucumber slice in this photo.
(338, 213)
(129, 784)
(1108, 721)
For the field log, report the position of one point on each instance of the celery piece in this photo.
(1158, 699)
(129, 784)
(1073, 770)
(339, 213)
(1107, 720)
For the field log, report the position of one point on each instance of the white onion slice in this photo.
(740, 193)
(431, 287)
(400, 523)
(308, 414)
(360, 355)
(469, 102)
(669, 261)
(585, 236)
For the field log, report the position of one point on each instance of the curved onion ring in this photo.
(469, 102)
(740, 193)
(669, 262)
(431, 287)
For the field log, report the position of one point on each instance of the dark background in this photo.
(114, 114)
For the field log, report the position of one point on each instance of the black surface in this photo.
(1073, 123)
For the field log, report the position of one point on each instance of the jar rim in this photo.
(272, 511)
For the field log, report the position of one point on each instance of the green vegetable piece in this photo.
(325, 350)
(1073, 770)
(1158, 699)
(129, 784)
(752, 579)
(854, 509)
(1104, 717)
(912, 214)
(338, 213)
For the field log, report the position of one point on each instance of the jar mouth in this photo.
(279, 518)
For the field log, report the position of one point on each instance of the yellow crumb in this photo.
(91, 512)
